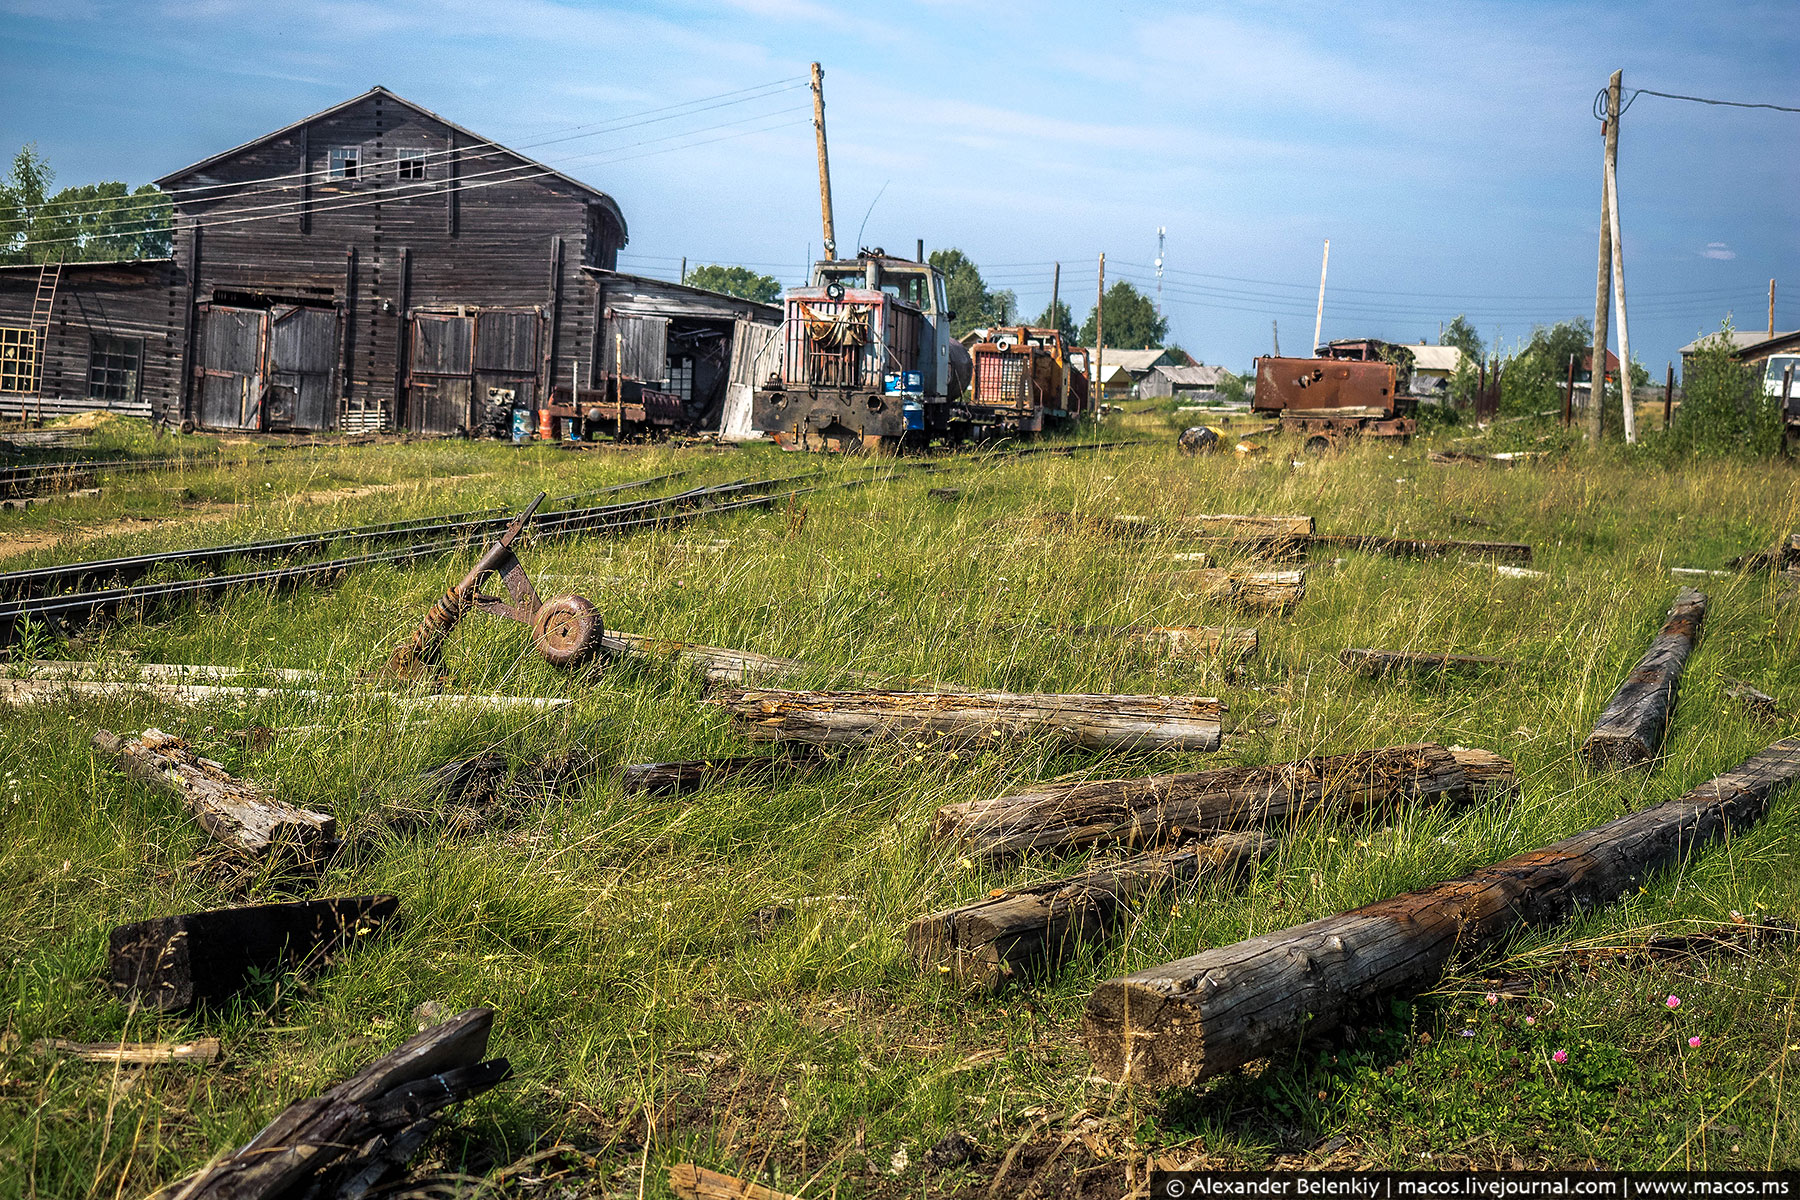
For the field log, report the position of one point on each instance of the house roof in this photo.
(595, 193)
(1138, 362)
(1436, 358)
(1741, 340)
(682, 298)
(1194, 376)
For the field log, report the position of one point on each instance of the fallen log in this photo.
(1281, 537)
(1157, 808)
(1517, 552)
(345, 1142)
(1757, 701)
(697, 1183)
(1387, 662)
(51, 691)
(717, 664)
(1272, 590)
(238, 813)
(1179, 1023)
(1095, 721)
(204, 1049)
(1026, 933)
(1785, 553)
(673, 778)
(175, 962)
(1631, 726)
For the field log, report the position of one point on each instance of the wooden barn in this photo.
(370, 267)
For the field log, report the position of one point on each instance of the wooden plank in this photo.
(697, 1183)
(53, 691)
(1184, 1021)
(1631, 726)
(1516, 552)
(1159, 808)
(1267, 590)
(1026, 933)
(204, 1049)
(1388, 662)
(205, 957)
(238, 813)
(716, 663)
(1095, 721)
(349, 1139)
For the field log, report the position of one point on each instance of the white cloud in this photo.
(1716, 250)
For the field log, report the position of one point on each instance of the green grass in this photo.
(649, 1023)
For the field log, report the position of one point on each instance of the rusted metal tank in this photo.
(1331, 399)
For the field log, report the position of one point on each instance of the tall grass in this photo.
(651, 1019)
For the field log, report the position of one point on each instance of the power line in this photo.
(410, 189)
(1600, 102)
(566, 133)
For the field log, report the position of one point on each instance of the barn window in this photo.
(344, 161)
(18, 359)
(113, 365)
(409, 164)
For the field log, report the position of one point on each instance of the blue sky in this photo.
(1447, 150)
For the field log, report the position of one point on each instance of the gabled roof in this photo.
(1742, 341)
(1138, 362)
(595, 193)
(1194, 376)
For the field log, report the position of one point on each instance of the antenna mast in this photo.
(1159, 261)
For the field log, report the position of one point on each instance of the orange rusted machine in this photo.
(1026, 379)
(1350, 390)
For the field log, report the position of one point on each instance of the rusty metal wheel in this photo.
(567, 630)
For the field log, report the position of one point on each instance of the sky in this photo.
(1449, 151)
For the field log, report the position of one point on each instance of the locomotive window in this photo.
(908, 289)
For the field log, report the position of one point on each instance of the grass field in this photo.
(651, 1020)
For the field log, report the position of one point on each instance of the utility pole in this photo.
(818, 91)
(1319, 321)
(1055, 289)
(1159, 261)
(684, 268)
(1618, 265)
(1603, 281)
(1771, 308)
(1100, 335)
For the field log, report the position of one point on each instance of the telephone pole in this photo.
(1055, 291)
(1100, 335)
(1603, 282)
(818, 91)
(1771, 308)
(1275, 330)
(1618, 270)
(1319, 321)
(1159, 261)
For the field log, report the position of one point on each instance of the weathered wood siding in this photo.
(133, 301)
(481, 230)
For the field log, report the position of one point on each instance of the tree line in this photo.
(90, 222)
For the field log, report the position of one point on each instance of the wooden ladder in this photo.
(42, 305)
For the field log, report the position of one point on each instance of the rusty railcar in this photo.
(1330, 399)
(867, 359)
(1026, 379)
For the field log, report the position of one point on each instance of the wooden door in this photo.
(302, 355)
(233, 348)
(442, 373)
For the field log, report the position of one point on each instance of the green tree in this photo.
(95, 221)
(1057, 317)
(973, 304)
(1531, 380)
(736, 281)
(1461, 334)
(1179, 357)
(1235, 389)
(1131, 320)
(1724, 407)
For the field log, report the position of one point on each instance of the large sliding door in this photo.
(442, 373)
(302, 356)
(233, 348)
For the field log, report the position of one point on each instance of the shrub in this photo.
(1724, 410)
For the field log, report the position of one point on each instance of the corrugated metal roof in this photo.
(1436, 358)
(1196, 376)
(1740, 339)
(1138, 362)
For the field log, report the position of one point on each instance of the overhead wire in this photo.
(566, 133)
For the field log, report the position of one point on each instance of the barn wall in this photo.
(138, 301)
(461, 237)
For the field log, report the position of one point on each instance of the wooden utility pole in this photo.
(1055, 291)
(1603, 283)
(1319, 321)
(1771, 308)
(684, 268)
(1275, 332)
(1569, 395)
(818, 91)
(1618, 271)
(1100, 336)
(1669, 398)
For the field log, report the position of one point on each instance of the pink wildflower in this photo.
(1673, 1001)
(1492, 998)
(1561, 1056)
(1531, 1020)
(1693, 1043)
